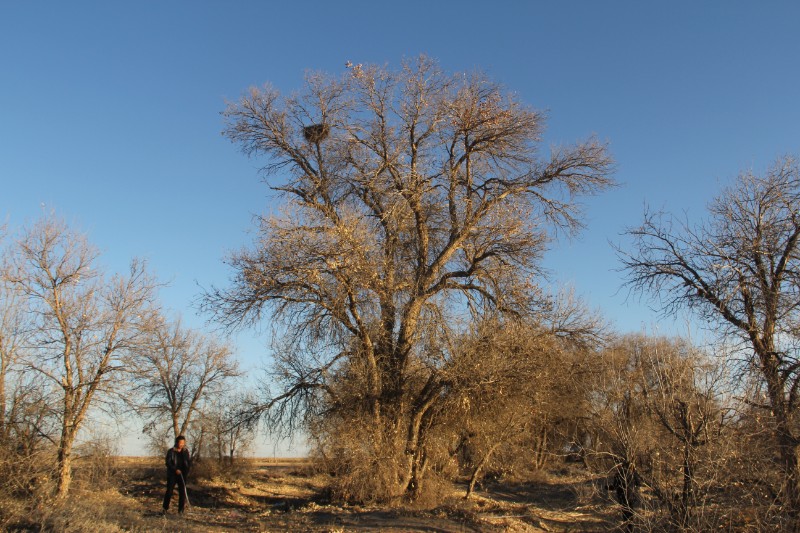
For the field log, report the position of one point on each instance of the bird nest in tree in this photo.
(316, 132)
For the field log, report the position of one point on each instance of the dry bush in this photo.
(661, 431)
(748, 486)
(364, 464)
(27, 475)
(24, 473)
(206, 469)
(83, 511)
(28, 489)
(512, 403)
(97, 464)
(26, 481)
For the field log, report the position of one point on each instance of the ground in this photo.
(285, 495)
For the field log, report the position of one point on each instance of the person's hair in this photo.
(179, 438)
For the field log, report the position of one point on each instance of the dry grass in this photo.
(286, 495)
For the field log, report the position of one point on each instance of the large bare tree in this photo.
(82, 322)
(411, 198)
(741, 270)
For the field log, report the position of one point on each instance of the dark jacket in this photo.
(178, 461)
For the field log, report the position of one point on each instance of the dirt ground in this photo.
(282, 495)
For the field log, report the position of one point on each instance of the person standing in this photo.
(178, 462)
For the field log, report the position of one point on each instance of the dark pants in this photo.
(172, 480)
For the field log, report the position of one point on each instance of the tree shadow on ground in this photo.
(272, 498)
(550, 495)
(560, 505)
(393, 521)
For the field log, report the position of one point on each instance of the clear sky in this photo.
(109, 111)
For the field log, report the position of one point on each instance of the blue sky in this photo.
(109, 111)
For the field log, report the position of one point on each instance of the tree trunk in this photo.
(687, 492)
(420, 420)
(197, 446)
(65, 461)
(3, 429)
(540, 448)
(476, 472)
(626, 488)
(787, 445)
(786, 440)
(414, 485)
(413, 451)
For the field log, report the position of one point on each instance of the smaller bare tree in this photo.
(229, 434)
(178, 373)
(82, 323)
